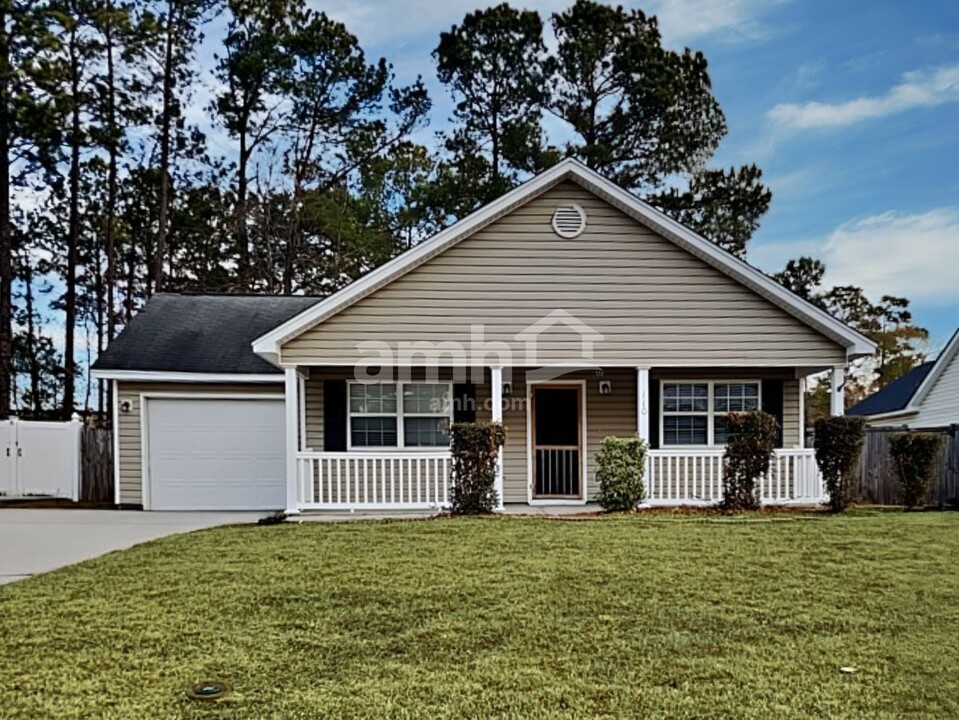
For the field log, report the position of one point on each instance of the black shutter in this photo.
(653, 411)
(773, 404)
(464, 402)
(334, 415)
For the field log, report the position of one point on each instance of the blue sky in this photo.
(851, 108)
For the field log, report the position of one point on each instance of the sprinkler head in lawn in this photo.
(208, 690)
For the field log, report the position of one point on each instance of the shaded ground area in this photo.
(644, 616)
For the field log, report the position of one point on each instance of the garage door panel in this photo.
(216, 454)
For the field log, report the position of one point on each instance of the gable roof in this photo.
(210, 334)
(942, 362)
(895, 396)
(856, 345)
(906, 395)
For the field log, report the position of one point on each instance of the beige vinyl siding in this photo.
(941, 404)
(129, 424)
(652, 301)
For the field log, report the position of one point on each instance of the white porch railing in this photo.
(373, 480)
(695, 477)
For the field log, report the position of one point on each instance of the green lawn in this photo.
(506, 617)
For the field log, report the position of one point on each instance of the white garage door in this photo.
(212, 454)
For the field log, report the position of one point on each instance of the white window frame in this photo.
(399, 415)
(710, 414)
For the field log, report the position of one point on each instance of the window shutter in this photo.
(464, 402)
(653, 411)
(773, 404)
(334, 415)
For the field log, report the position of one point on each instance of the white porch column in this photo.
(802, 412)
(837, 403)
(496, 394)
(292, 399)
(642, 403)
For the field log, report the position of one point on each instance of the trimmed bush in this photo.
(621, 464)
(838, 447)
(915, 456)
(474, 448)
(749, 448)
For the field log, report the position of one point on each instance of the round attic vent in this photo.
(569, 221)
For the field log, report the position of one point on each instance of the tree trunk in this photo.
(109, 239)
(243, 266)
(166, 120)
(73, 237)
(36, 402)
(6, 244)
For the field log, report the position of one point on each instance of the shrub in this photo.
(915, 456)
(621, 463)
(474, 447)
(273, 518)
(838, 446)
(749, 448)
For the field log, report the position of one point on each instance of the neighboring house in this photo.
(925, 397)
(568, 309)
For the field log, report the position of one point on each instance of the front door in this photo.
(557, 436)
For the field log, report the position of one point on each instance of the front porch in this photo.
(337, 459)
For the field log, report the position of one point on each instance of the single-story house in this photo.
(568, 309)
(925, 397)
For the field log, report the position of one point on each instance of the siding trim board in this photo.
(269, 345)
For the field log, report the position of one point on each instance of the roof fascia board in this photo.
(185, 377)
(905, 412)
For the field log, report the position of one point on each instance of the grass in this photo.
(507, 617)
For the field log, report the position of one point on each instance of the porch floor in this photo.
(508, 509)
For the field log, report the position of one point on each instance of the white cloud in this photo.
(921, 88)
(911, 255)
(915, 255)
(683, 20)
(397, 22)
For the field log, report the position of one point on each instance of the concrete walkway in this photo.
(37, 540)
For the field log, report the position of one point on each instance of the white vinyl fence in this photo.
(40, 459)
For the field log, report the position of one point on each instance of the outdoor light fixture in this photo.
(125, 406)
(507, 388)
(605, 387)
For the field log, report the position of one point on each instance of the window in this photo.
(397, 415)
(731, 397)
(685, 414)
(693, 413)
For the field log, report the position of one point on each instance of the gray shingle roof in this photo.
(895, 396)
(200, 333)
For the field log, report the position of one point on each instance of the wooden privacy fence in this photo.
(877, 475)
(96, 465)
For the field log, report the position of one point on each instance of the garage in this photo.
(214, 454)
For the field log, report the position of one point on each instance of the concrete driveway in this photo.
(34, 540)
